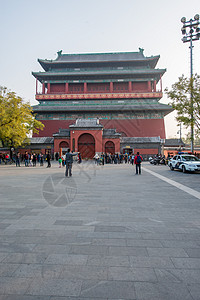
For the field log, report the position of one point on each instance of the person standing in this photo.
(26, 159)
(60, 162)
(48, 160)
(132, 158)
(79, 158)
(18, 159)
(69, 162)
(57, 156)
(137, 161)
(41, 159)
(34, 160)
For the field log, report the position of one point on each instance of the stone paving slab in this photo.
(102, 234)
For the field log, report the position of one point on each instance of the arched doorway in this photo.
(110, 147)
(86, 145)
(63, 146)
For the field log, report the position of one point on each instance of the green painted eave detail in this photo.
(98, 108)
(102, 80)
(100, 72)
(57, 103)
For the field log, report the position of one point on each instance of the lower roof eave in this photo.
(120, 108)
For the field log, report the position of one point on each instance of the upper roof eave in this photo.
(98, 72)
(99, 58)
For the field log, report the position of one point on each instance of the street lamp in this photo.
(191, 32)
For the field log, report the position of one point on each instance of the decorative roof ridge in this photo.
(98, 57)
(82, 54)
(100, 53)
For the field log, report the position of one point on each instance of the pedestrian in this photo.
(126, 158)
(137, 161)
(7, 158)
(57, 156)
(69, 162)
(30, 159)
(18, 159)
(60, 162)
(38, 157)
(103, 158)
(132, 158)
(63, 160)
(41, 159)
(26, 159)
(96, 158)
(34, 159)
(48, 160)
(79, 158)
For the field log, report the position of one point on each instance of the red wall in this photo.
(120, 86)
(137, 127)
(146, 151)
(98, 88)
(78, 88)
(53, 126)
(140, 86)
(57, 88)
(131, 128)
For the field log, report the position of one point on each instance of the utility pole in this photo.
(193, 34)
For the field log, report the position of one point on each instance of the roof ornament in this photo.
(59, 53)
(141, 50)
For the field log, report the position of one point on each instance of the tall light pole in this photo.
(191, 32)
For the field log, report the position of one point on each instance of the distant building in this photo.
(120, 92)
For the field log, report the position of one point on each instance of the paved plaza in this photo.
(104, 233)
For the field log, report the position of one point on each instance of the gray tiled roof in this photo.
(101, 57)
(141, 140)
(42, 140)
(62, 132)
(174, 143)
(110, 132)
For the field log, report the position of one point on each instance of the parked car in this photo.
(184, 162)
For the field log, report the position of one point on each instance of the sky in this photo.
(38, 29)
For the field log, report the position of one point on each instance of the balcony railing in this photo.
(109, 95)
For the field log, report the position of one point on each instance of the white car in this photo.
(184, 162)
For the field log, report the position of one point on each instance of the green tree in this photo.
(188, 112)
(16, 120)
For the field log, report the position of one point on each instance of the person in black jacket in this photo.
(48, 157)
(69, 162)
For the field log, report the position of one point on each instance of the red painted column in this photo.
(85, 87)
(43, 88)
(48, 88)
(36, 86)
(149, 86)
(130, 86)
(111, 87)
(160, 84)
(154, 86)
(66, 88)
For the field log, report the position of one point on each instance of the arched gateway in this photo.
(86, 145)
(64, 144)
(109, 147)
